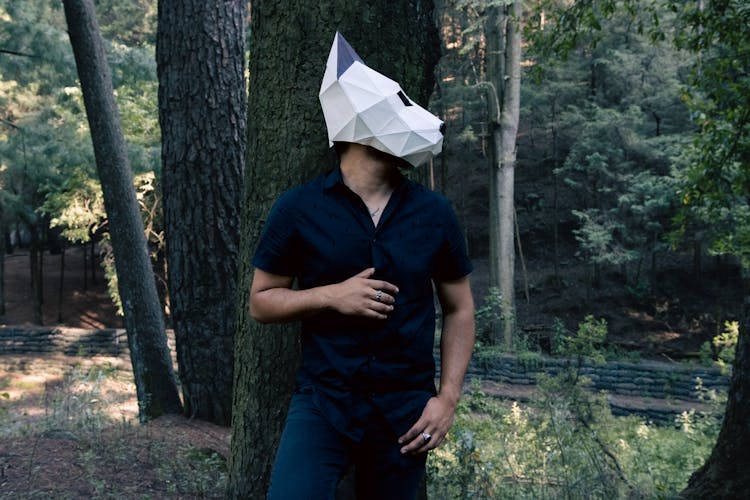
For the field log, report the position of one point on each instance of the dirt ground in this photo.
(68, 425)
(69, 429)
(82, 307)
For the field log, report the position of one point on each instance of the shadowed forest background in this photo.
(628, 231)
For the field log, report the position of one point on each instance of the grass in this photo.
(75, 434)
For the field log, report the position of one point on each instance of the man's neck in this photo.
(368, 172)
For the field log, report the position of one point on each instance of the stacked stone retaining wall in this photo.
(648, 379)
(68, 341)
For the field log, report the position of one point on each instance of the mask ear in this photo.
(345, 55)
(403, 98)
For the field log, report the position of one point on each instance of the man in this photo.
(365, 246)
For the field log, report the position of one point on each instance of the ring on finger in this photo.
(426, 436)
(379, 295)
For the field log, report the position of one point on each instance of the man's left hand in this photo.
(436, 420)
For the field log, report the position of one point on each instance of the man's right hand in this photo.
(362, 296)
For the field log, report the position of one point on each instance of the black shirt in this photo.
(321, 233)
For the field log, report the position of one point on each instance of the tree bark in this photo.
(725, 473)
(504, 75)
(287, 145)
(152, 365)
(61, 288)
(202, 111)
(35, 266)
(3, 253)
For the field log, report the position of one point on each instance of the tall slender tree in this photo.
(202, 110)
(503, 54)
(287, 145)
(152, 365)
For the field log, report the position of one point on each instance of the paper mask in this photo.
(362, 106)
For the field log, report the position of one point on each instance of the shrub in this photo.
(565, 443)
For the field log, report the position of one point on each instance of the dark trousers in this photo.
(313, 456)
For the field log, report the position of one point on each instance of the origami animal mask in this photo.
(362, 106)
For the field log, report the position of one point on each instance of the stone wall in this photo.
(68, 341)
(650, 379)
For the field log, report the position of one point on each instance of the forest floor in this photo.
(68, 425)
(69, 430)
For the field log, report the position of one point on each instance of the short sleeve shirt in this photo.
(322, 233)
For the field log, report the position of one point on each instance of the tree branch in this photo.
(20, 54)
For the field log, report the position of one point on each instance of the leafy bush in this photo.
(565, 444)
(586, 343)
(487, 315)
(721, 348)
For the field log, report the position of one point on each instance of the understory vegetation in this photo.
(565, 443)
(73, 419)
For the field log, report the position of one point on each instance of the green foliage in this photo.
(565, 444)
(714, 39)
(726, 342)
(722, 347)
(716, 181)
(47, 174)
(616, 124)
(488, 314)
(587, 342)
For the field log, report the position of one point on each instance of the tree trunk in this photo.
(3, 252)
(61, 289)
(35, 262)
(725, 473)
(504, 73)
(85, 267)
(155, 382)
(286, 146)
(92, 258)
(203, 111)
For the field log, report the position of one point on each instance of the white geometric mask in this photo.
(362, 106)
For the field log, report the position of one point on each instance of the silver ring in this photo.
(426, 436)
(379, 295)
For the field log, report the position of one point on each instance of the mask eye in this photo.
(403, 98)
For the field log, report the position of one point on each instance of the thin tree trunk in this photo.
(524, 273)
(286, 146)
(3, 252)
(92, 258)
(60, 290)
(203, 112)
(36, 278)
(84, 253)
(504, 72)
(155, 381)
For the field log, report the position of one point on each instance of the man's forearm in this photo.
(280, 305)
(273, 300)
(456, 346)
